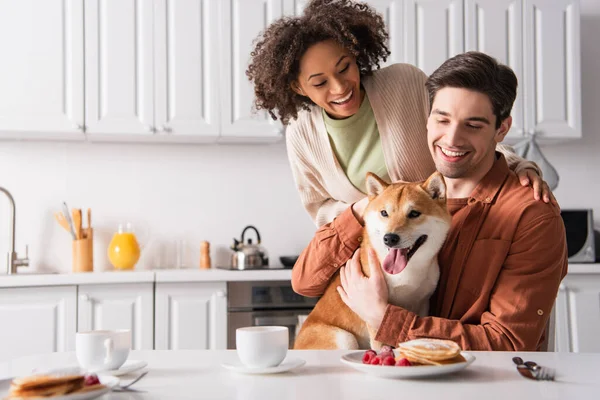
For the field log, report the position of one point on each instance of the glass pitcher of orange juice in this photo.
(124, 249)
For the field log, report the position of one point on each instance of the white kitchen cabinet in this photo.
(433, 32)
(552, 68)
(41, 72)
(241, 23)
(540, 41)
(37, 320)
(119, 306)
(578, 313)
(495, 27)
(392, 12)
(119, 67)
(191, 316)
(186, 75)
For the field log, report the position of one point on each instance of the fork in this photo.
(544, 373)
(537, 371)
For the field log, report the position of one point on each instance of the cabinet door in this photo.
(191, 316)
(186, 46)
(433, 30)
(553, 68)
(578, 314)
(37, 320)
(392, 12)
(119, 306)
(494, 27)
(119, 67)
(41, 72)
(241, 23)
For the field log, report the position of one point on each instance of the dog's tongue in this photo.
(395, 261)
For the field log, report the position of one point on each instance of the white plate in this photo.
(108, 381)
(388, 371)
(129, 366)
(287, 365)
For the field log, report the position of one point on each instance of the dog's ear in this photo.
(435, 185)
(375, 185)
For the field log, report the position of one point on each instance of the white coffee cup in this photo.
(102, 350)
(262, 346)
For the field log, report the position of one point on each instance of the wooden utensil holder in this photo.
(83, 253)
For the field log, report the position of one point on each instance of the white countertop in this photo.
(198, 374)
(180, 275)
(166, 275)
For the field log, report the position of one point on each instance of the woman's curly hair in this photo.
(275, 62)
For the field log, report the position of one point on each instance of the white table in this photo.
(199, 375)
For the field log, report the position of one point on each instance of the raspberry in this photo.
(385, 354)
(403, 362)
(386, 349)
(91, 380)
(367, 357)
(389, 360)
(373, 352)
(375, 361)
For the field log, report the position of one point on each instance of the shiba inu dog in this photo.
(406, 224)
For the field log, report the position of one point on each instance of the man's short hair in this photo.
(481, 73)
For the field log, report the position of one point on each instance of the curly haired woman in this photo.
(319, 73)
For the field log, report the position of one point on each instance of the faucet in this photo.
(12, 259)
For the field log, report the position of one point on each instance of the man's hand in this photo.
(367, 297)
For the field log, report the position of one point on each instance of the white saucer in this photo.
(287, 365)
(127, 367)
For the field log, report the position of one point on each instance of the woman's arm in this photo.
(319, 204)
(528, 173)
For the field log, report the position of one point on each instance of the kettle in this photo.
(247, 255)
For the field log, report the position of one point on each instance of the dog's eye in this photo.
(384, 213)
(413, 214)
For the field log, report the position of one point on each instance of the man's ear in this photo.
(375, 185)
(295, 86)
(503, 130)
(435, 185)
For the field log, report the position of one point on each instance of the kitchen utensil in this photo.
(62, 221)
(246, 254)
(126, 388)
(531, 370)
(288, 261)
(538, 374)
(76, 213)
(69, 221)
(529, 364)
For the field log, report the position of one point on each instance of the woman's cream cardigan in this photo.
(400, 103)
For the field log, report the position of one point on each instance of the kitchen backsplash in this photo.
(189, 193)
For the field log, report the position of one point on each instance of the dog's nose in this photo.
(391, 239)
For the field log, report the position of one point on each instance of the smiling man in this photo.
(505, 254)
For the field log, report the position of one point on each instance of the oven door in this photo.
(293, 319)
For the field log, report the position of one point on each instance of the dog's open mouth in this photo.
(397, 258)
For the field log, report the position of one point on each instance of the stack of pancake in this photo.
(430, 352)
(47, 386)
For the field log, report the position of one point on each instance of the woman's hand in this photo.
(358, 209)
(541, 190)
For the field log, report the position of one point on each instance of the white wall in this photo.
(211, 192)
(176, 192)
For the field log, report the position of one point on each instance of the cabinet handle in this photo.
(81, 128)
(167, 129)
(150, 128)
(220, 293)
(84, 297)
